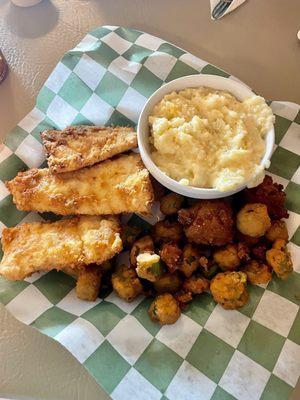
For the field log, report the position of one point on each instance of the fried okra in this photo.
(210, 270)
(129, 235)
(227, 257)
(246, 240)
(278, 230)
(142, 245)
(257, 272)
(208, 222)
(253, 220)
(183, 297)
(167, 231)
(229, 289)
(88, 282)
(196, 284)
(271, 194)
(171, 203)
(168, 283)
(149, 266)
(204, 262)
(190, 260)
(126, 283)
(171, 255)
(243, 251)
(164, 309)
(279, 258)
(259, 251)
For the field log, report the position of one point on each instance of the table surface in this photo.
(257, 43)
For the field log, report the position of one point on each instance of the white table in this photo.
(257, 43)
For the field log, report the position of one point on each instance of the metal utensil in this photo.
(220, 8)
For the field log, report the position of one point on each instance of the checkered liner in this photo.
(209, 353)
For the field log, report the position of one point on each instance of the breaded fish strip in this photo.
(80, 146)
(69, 243)
(111, 187)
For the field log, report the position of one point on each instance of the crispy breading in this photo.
(168, 282)
(271, 194)
(190, 259)
(149, 266)
(183, 297)
(227, 257)
(259, 250)
(278, 230)
(88, 283)
(257, 272)
(126, 283)
(164, 309)
(171, 254)
(69, 243)
(208, 222)
(80, 146)
(171, 203)
(167, 231)
(142, 245)
(279, 259)
(111, 187)
(196, 284)
(253, 220)
(229, 289)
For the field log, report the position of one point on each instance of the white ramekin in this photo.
(240, 91)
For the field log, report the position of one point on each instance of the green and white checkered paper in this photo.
(210, 353)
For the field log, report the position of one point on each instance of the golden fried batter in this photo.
(257, 272)
(88, 283)
(259, 250)
(208, 222)
(149, 266)
(243, 251)
(279, 259)
(253, 220)
(142, 245)
(183, 297)
(278, 230)
(168, 283)
(196, 284)
(129, 234)
(167, 231)
(229, 289)
(210, 269)
(171, 254)
(81, 146)
(71, 243)
(171, 203)
(111, 187)
(246, 240)
(190, 260)
(164, 309)
(271, 194)
(126, 283)
(227, 257)
(72, 271)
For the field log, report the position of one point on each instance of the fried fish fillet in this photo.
(69, 243)
(80, 146)
(112, 187)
